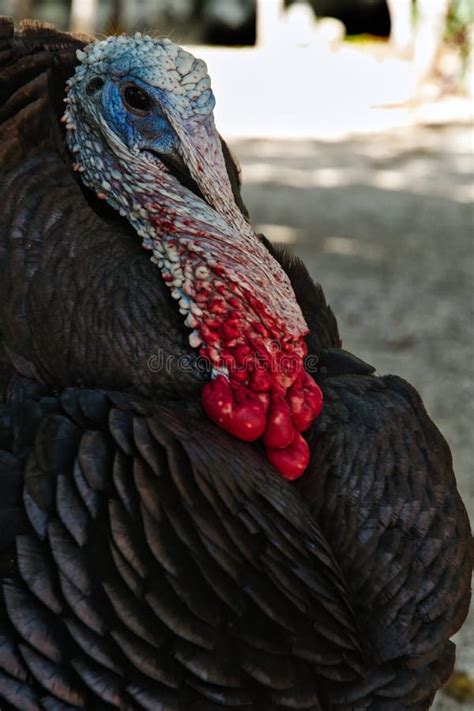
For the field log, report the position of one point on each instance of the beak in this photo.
(201, 152)
(177, 167)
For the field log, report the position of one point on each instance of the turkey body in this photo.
(148, 559)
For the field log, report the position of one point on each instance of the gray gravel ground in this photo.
(384, 223)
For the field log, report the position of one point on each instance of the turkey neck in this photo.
(236, 300)
(196, 247)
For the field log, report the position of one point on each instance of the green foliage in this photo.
(460, 32)
(460, 18)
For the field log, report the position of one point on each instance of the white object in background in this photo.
(300, 25)
(269, 22)
(429, 35)
(83, 16)
(421, 40)
(401, 28)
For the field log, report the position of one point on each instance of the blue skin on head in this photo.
(150, 131)
(177, 104)
(140, 104)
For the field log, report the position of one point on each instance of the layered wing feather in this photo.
(158, 572)
(382, 487)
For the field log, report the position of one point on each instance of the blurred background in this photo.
(353, 124)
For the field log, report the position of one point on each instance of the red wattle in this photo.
(255, 401)
(290, 461)
(280, 430)
(217, 400)
(261, 381)
(265, 400)
(238, 411)
(305, 401)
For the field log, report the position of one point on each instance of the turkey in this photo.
(153, 552)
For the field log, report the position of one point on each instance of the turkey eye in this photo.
(136, 99)
(94, 85)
